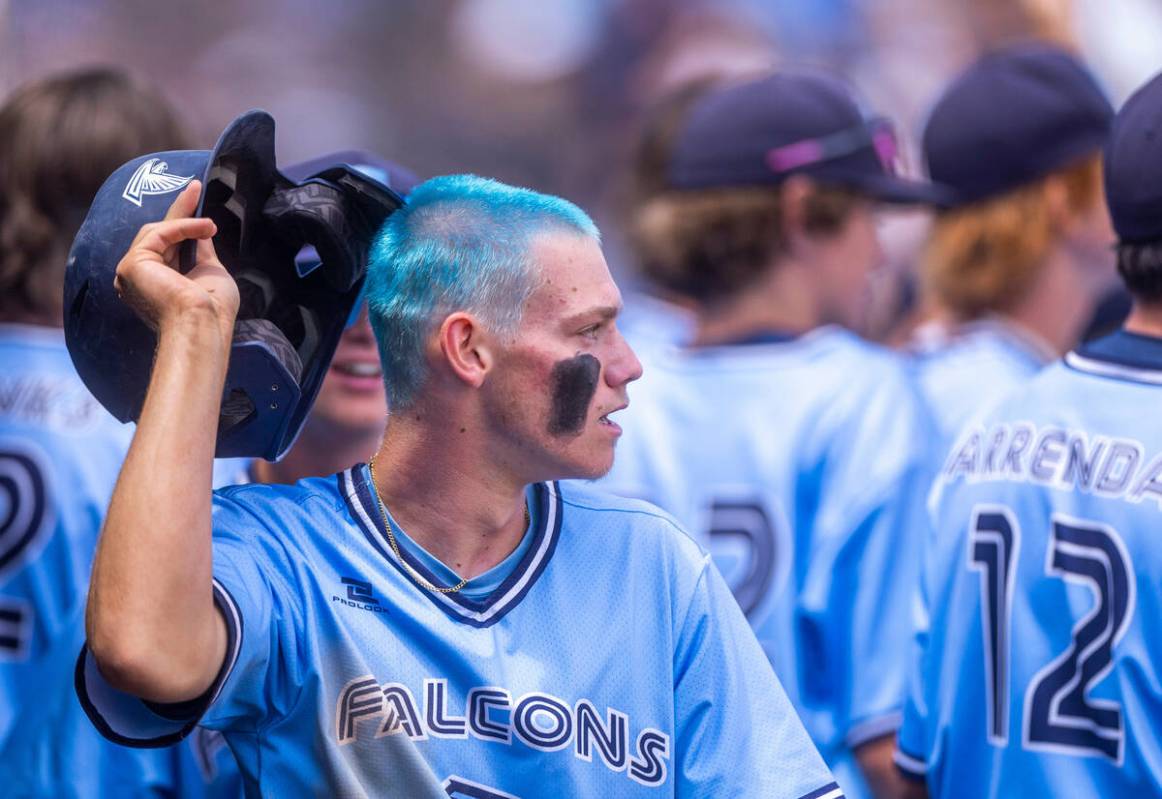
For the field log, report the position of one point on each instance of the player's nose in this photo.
(623, 365)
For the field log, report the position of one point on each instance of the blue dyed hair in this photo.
(459, 243)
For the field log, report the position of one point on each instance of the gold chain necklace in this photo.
(395, 547)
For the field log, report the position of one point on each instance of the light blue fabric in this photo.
(1037, 663)
(963, 371)
(60, 453)
(611, 661)
(653, 326)
(802, 464)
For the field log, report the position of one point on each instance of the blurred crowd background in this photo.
(543, 93)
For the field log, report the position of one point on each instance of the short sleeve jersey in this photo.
(801, 463)
(611, 660)
(1038, 661)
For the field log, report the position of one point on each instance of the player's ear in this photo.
(465, 348)
(793, 196)
(1055, 196)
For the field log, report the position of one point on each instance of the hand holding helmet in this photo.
(148, 279)
(286, 320)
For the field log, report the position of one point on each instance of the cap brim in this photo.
(902, 191)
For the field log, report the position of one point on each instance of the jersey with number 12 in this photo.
(1038, 662)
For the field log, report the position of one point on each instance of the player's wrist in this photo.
(198, 320)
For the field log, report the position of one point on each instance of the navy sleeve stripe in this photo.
(103, 726)
(829, 791)
(872, 728)
(233, 619)
(914, 768)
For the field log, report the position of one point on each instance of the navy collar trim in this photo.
(1121, 355)
(355, 485)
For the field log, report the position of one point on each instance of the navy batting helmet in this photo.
(289, 322)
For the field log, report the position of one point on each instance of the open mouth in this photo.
(606, 421)
(358, 368)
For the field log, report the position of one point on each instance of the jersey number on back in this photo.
(1058, 714)
(23, 519)
(746, 524)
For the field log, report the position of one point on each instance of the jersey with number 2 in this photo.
(801, 463)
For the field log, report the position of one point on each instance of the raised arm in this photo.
(152, 625)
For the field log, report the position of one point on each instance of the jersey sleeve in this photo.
(856, 605)
(914, 746)
(736, 733)
(251, 595)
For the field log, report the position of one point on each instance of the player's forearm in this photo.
(153, 568)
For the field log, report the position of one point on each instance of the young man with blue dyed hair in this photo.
(446, 620)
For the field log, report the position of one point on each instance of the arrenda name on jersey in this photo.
(1058, 458)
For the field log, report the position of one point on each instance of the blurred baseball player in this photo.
(446, 620)
(792, 449)
(1039, 664)
(657, 311)
(1016, 264)
(59, 450)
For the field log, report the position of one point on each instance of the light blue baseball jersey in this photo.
(651, 324)
(605, 657)
(60, 453)
(801, 463)
(1039, 632)
(962, 371)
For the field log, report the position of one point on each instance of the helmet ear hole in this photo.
(237, 409)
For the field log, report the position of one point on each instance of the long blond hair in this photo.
(983, 258)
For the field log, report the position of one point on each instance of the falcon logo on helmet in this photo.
(152, 177)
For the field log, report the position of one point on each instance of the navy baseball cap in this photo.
(759, 132)
(1013, 117)
(1133, 166)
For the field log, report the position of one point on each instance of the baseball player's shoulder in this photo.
(869, 360)
(287, 512)
(620, 523)
(1048, 396)
(981, 348)
(283, 496)
(867, 378)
